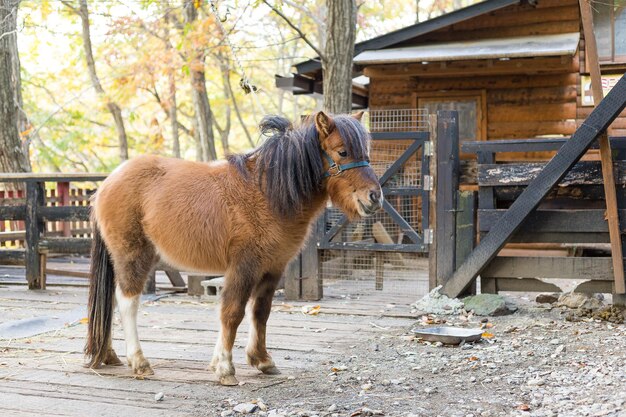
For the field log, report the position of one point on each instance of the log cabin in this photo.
(512, 68)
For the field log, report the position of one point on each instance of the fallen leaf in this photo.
(488, 335)
(523, 407)
(473, 358)
(311, 310)
(84, 320)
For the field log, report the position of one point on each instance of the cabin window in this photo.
(609, 21)
(470, 108)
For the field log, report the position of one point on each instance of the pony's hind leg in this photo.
(131, 279)
(261, 304)
(233, 308)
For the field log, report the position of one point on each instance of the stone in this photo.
(579, 300)
(547, 298)
(245, 408)
(158, 396)
(488, 305)
(436, 303)
(332, 408)
(226, 413)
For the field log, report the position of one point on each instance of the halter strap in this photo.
(336, 169)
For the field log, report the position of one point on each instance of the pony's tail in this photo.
(101, 292)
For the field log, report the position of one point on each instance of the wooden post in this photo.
(311, 282)
(303, 280)
(432, 221)
(447, 185)
(379, 266)
(605, 150)
(465, 230)
(63, 195)
(486, 200)
(35, 194)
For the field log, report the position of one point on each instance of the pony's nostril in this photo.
(374, 196)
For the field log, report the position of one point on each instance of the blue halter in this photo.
(338, 169)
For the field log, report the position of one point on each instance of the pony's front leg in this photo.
(233, 308)
(261, 304)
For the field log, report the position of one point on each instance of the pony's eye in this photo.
(343, 154)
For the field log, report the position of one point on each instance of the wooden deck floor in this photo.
(43, 374)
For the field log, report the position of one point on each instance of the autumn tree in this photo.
(202, 106)
(336, 55)
(13, 156)
(83, 12)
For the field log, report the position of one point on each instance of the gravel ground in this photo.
(534, 363)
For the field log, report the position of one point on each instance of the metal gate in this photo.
(386, 247)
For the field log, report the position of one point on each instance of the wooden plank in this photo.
(526, 96)
(531, 112)
(66, 245)
(51, 177)
(529, 145)
(514, 30)
(543, 65)
(588, 268)
(520, 17)
(554, 171)
(175, 278)
(12, 256)
(523, 285)
(583, 173)
(465, 229)
(596, 287)
(447, 173)
(553, 221)
(12, 212)
(65, 213)
(514, 130)
(493, 82)
(605, 150)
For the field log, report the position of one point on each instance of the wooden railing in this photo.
(52, 222)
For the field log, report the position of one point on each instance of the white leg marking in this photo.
(128, 311)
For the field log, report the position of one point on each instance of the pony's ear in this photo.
(324, 124)
(358, 115)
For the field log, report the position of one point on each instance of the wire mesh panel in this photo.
(398, 120)
(386, 251)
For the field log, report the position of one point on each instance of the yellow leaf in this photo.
(311, 310)
(488, 335)
(84, 320)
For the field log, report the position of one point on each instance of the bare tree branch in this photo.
(297, 29)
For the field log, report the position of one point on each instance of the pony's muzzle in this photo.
(375, 200)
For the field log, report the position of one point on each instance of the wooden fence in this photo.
(52, 222)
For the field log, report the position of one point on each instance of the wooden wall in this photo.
(524, 97)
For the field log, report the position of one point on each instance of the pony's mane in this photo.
(288, 165)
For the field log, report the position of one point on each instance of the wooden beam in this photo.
(588, 268)
(555, 170)
(605, 150)
(554, 221)
(468, 68)
(508, 175)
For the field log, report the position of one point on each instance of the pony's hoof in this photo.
(271, 370)
(112, 359)
(143, 369)
(229, 380)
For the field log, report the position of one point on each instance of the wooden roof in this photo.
(418, 29)
(514, 47)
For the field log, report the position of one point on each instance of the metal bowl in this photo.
(449, 335)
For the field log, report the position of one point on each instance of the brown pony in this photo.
(246, 217)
